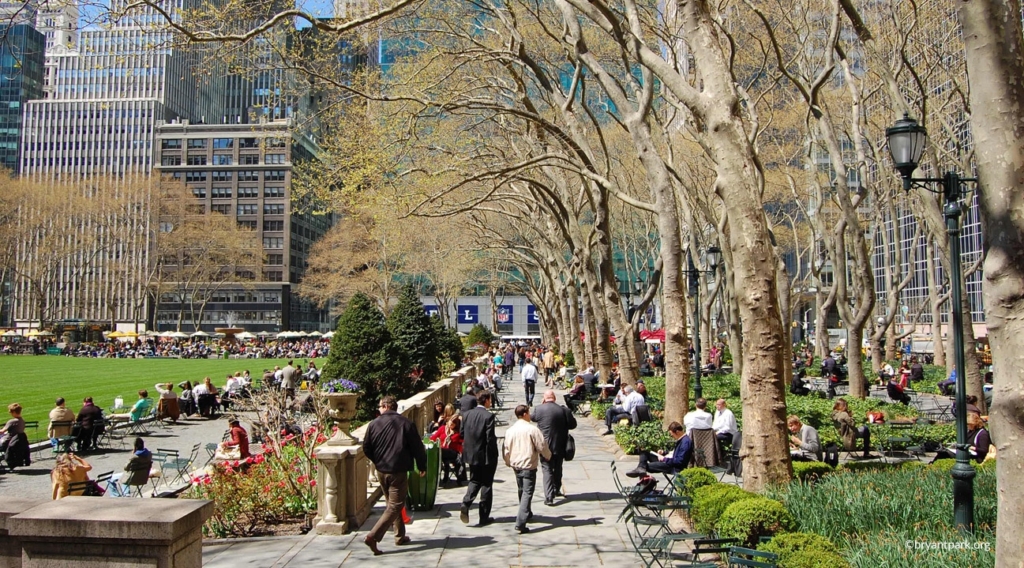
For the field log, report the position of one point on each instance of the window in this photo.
(248, 192)
(248, 175)
(273, 209)
(249, 160)
(171, 144)
(197, 143)
(276, 260)
(270, 297)
(273, 192)
(247, 225)
(247, 209)
(222, 193)
(170, 161)
(197, 160)
(273, 242)
(223, 143)
(274, 175)
(273, 225)
(275, 143)
(221, 160)
(275, 158)
(245, 275)
(221, 176)
(248, 143)
(195, 176)
(273, 275)
(222, 208)
(199, 192)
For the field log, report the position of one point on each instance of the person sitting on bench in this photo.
(660, 462)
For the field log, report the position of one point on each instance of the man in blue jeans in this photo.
(662, 463)
(524, 445)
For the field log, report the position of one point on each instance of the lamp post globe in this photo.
(907, 140)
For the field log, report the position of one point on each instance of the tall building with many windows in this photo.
(21, 69)
(245, 171)
(105, 90)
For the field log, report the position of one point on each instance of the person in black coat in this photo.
(90, 425)
(468, 400)
(554, 422)
(480, 455)
(797, 387)
(392, 443)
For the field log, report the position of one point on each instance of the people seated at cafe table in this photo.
(138, 411)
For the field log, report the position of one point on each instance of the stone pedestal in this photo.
(10, 546)
(88, 532)
(342, 503)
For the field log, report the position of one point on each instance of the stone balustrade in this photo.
(347, 488)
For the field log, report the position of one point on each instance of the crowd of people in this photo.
(194, 348)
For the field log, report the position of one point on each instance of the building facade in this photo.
(245, 171)
(21, 67)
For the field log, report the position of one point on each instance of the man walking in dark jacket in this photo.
(392, 443)
(480, 455)
(554, 422)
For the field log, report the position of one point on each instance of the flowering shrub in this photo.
(252, 495)
(340, 385)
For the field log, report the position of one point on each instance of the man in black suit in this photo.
(480, 455)
(554, 422)
(468, 400)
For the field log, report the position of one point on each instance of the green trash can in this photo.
(423, 490)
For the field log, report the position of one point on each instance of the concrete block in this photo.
(10, 546)
(129, 533)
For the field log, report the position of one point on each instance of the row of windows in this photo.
(218, 175)
(243, 192)
(221, 160)
(222, 143)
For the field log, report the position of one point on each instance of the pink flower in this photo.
(312, 482)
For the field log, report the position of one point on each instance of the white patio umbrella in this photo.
(264, 334)
(287, 335)
(167, 333)
(301, 334)
(200, 333)
(244, 335)
(314, 334)
(179, 335)
(329, 334)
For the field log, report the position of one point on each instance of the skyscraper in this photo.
(21, 70)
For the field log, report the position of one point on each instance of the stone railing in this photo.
(347, 488)
(86, 531)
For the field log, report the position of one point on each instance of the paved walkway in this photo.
(579, 530)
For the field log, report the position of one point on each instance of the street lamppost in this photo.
(712, 257)
(907, 140)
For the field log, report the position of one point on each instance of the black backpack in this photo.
(831, 456)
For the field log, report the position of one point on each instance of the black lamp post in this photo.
(907, 140)
(712, 257)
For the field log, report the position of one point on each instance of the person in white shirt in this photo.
(529, 376)
(627, 400)
(485, 381)
(523, 448)
(698, 419)
(724, 423)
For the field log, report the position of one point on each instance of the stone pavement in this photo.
(579, 530)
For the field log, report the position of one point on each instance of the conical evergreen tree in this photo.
(449, 342)
(410, 327)
(362, 351)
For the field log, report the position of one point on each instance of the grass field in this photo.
(35, 382)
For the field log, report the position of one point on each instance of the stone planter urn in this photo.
(343, 410)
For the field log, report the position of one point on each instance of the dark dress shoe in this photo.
(523, 530)
(403, 540)
(549, 502)
(487, 521)
(372, 545)
(636, 472)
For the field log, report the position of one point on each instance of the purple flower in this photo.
(340, 385)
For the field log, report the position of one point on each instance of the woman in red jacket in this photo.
(450, 439)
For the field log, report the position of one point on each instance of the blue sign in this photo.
(431, 310)
(469, 314)
(505, 314)
(531, 315)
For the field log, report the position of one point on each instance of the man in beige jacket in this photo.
(524, 445)
(549, 366)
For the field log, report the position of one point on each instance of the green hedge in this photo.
(810, 471)
(804, 550)
(709, 502)
(750, 519)
(649, 437)
(691, 479)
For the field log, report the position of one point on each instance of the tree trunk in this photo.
(821, 338)
(995, 64)
(935, 302)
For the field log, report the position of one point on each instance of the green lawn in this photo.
(35, 382)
